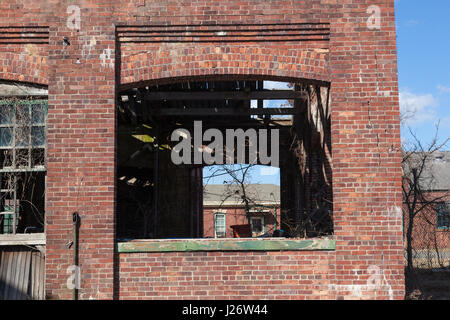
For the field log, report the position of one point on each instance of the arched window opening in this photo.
(169, 133)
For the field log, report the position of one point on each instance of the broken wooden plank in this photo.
(21, 274)
(9, 274)
(3, 270)
(41, 278)
(37, 276)
(25, 276)
(18, 277)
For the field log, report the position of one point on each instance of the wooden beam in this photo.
(223, 95)
(245, 244)
(20, 90)
(222, 111)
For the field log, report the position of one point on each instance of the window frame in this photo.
(216, 215)
(263, 224)
(14, 169)
(29, 147)
(443, 213)
(127, 99)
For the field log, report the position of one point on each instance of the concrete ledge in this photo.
(22, 90)
(244, 244)
(22, 239)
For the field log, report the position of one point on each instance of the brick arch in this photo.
(26, 65)
(162, 63)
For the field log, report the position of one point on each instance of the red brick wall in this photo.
(366, 145)
(227, 275)
(206, 60)
(361, 64)
(81, 151)
(21, 59)
(425, 233)
(27, 64)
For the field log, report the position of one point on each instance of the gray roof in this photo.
(436, 175)
(222, 194)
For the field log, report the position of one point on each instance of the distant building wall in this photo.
(426, 233)
(236, 216)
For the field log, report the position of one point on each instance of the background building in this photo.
(431, 230)
(225, 212)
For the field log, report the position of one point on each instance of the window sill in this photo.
(241, 244)
(22, 239)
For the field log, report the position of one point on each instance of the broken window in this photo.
(22, 165)
(160, 195)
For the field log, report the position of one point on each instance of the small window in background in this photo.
(220, 225)
(257, 225)
(443, 216)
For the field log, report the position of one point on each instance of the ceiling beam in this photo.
(222, 111)
(222, 95)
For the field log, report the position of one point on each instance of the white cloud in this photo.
(412, 22)
(416, 109)
(443, 89)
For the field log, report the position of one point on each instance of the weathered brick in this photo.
(82, 79)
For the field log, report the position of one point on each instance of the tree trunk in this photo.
(409, 242)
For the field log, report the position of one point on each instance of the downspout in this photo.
(76, 225)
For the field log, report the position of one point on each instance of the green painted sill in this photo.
(244, 244)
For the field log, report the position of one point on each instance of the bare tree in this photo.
(237, 179)
(417, 177)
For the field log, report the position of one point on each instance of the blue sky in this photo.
(423, 44)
